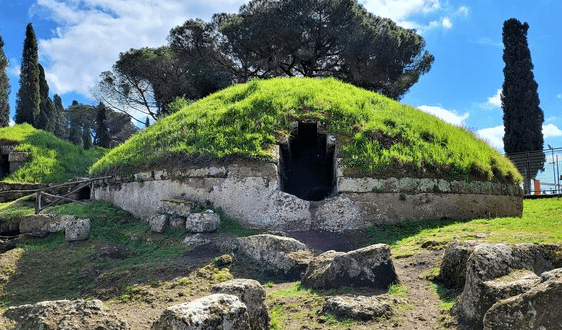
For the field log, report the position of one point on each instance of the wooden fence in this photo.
(41, 192)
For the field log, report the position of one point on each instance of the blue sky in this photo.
(78, 39)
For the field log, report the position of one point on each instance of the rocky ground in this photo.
(416, 305)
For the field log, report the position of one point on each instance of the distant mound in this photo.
(374, 135)
(51, 159)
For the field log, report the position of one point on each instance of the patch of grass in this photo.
(228, 225)
(13, 210)
(332, 319)
(535, 226)
(432, 273)
(376, 135)
(448, 297)
(397, 290)
(52, 159)
(64, 270)
(294, 290)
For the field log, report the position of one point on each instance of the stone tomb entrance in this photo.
(307, 164)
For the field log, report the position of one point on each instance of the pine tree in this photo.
(28, 98)
(522, 116)
(102, 132)
(4, 88)
(60, 125)
(46, 118)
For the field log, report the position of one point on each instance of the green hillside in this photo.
(52, 159)
(376, 136)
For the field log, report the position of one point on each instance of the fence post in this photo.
(38, 202)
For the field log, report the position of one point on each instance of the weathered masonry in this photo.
(304, 187)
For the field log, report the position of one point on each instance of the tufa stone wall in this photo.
(249, 192)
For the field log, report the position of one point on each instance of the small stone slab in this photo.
(66, 314)
(358, 308)
(206, 222)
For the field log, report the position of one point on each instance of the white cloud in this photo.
(14, 68)
(452, 117)
(446, 22)
(91, 33)
(464, 11)
(559, 96)
(493, 135)
(401, 11)
(495, 101)
(489, 42)
(550, 130)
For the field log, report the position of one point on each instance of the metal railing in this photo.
(541, 168)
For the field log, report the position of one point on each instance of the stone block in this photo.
(370, 266)
(39, 225)
(252, 294)
(206, 222)
(78, 230)
(158, 223)
(358, 308)
(278, 256)
(65, 314)
(217, 312)
(176, 207)
(18, 156)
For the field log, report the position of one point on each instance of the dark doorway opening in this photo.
(4, 166)
(307, 164)
(84, 193)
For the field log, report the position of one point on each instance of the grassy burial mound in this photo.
(50, 158)
(375, 136)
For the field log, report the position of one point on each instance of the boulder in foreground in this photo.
(214, 312)
(67, 315)
(370, 266)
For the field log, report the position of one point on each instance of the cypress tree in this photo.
(86, 135)
(75, 133)
(28, 98)
(60, 125)
(4, 88)
(46, 118)
(102, 132)
(522, 116)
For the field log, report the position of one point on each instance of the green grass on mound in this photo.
(376, 135)
(52, 159)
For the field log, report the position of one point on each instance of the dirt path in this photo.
(413, 273)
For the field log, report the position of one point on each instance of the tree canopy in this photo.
(522, 116)
(318, 38)
(4, 88)
(28, 99)
(267, 38)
